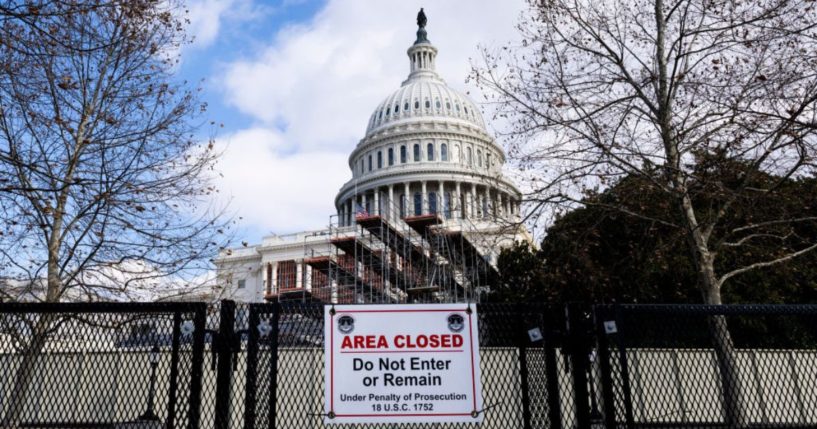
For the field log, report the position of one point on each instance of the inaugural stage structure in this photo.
(422, 219)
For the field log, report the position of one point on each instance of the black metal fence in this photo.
(190, 365)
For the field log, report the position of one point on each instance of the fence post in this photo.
(577, 343)
(602, 314)
(273, 382)
(522, 343)
(174, 371)
(250, 383)
(224, 342)
(552, 370)
(197, 371)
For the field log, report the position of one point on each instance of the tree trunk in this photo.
(20, 392)
(734, 410)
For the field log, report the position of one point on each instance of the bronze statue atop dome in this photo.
(421, 31)
(421, 19)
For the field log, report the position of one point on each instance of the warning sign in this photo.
(402, 364)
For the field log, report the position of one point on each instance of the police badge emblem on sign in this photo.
(414, 363)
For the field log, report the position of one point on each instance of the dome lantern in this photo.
(422, 54)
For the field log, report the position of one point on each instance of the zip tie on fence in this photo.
(476, 413)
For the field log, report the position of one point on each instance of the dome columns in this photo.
(451, 199)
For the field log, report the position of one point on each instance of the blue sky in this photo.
(294, 83)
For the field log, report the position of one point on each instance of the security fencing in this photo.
(228, 365)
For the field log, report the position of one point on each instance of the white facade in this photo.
(426, 153)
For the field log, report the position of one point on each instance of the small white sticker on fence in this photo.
(610, 327)
(535, 334)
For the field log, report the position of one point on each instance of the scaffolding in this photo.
(387, 258)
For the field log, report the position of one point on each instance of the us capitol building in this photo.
(423, 218)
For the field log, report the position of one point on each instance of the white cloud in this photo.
(312, 89)
(275, 189)
(206, 17)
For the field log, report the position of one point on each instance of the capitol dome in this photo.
(427, 151)
(423, 99)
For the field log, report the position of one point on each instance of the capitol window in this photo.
(396, 108)
(416, 153)
(443, 152)
(370, 162)
(388, 111)
(437, 103)
(391, 157)
(488, 160)
(418, 204)
(468, 158)
(428, 104)
(432, 202)
(457, 106)
(447, 204)
(448, 105)
(379, 159)
(479, 158)
(403, 154)
(466, 110)
(416, 104)
(406, 106)
(430, 156)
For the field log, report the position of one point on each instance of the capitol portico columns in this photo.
(407, 207)
(424, 199)
(458, 198)
(475, 201)
(376, 208)
(441, 198)
(390, 207)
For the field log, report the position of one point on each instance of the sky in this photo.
(294, 82)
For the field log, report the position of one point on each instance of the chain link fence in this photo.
(228, 365)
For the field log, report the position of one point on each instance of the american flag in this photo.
(360, 211)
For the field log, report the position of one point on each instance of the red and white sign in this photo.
(402, 364)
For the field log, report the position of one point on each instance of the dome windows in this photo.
(406, 107)
(469, 159)
(428, 104)
(416, 153)
(391, 156)
(444, 152)
(388, 111)
(403, 154)
(396, 109)
(416, 104)
(457, 108)
(466, 110)
(430, 152)
(418, 204)
(437, 103)
(479, 158)
(370, 162)
(379, 159)
(448, 105)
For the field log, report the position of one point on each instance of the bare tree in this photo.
(100, 169)
(103, 182)
(601, 90)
